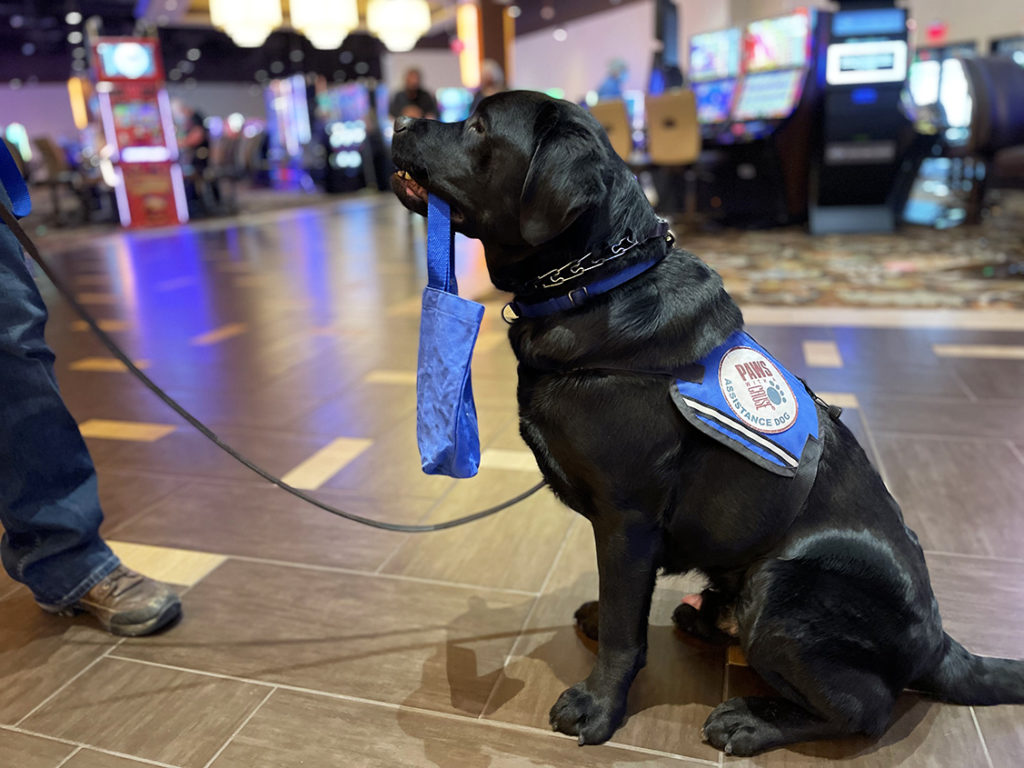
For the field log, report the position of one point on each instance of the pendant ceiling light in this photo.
(247, 22)
(324, 23)
(398, 23)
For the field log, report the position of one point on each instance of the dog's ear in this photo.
(564, 179)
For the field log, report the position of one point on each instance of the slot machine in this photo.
(864, 131)
(756, 173)
(714, 69)
(139, 127)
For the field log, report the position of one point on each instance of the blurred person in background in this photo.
(492, 81)
(614, 82)
(195, 160)
(49, 505)
(413, 100)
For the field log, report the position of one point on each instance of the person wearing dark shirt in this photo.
(413, 101)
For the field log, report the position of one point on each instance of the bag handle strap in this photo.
(13, 182)
(440, 250)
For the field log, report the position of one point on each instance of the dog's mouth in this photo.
(413, 195)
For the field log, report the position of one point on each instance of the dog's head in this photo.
(522, 171)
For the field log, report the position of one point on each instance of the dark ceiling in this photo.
(35, 46)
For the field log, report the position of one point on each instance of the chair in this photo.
(674, 144)
(614, 118)
(673, 133)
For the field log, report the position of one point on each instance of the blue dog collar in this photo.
(577, 297)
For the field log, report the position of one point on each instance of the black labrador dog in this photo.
(818, 578)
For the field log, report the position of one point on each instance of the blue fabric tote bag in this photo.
(446, 426)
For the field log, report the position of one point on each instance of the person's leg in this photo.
(49, 505)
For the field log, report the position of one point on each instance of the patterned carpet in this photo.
(966, 267)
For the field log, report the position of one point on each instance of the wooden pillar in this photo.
(497, 30)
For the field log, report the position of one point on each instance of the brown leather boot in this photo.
(127, 603)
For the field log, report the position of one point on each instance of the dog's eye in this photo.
(477, 126)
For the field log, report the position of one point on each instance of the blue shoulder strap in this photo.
(10, 177)
(440, 253)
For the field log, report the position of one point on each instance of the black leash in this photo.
(110, 344)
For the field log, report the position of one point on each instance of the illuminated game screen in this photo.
(353, 102)
(714, 100)
(924, 82)
(138, 124)
(769, 95)
(778, 43)
(715, 55)
(128, 60)
(453, 104)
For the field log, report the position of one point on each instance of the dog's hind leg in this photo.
(627, 554)
(707, 616)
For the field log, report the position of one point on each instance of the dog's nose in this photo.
(402, 123)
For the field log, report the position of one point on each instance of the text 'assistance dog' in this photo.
(810, 565)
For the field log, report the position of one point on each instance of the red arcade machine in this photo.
(138, 126)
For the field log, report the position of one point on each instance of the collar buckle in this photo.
(578, 296)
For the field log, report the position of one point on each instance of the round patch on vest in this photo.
(756, 391)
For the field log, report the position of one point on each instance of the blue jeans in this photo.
(49, 505)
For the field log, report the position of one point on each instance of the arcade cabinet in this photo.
(289, 131)
(863, 130)
(714, 69)
(345, 114)
(139, 127)
(757, 173)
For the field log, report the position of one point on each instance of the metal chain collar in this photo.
(584, 264)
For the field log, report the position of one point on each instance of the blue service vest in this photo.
(745, 399)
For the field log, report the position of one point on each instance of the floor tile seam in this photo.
(437, 503)
(14, 588)
(68, 682)
(1018, 452)
(240, 727)
(972, 556)
(962, 383)
(936, 436)
(111, 533)
(388, 576)
(404, 707)
(65, 761)
(83, 745)
(379, 570)
(901, 397)
(869, 433)
(529, 616)
(981, 738)
(881, 318)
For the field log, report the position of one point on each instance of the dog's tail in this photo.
(964, 678)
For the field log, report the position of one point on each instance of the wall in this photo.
(44, 109)
(440, 68)
(969, 21)
(221, 99)
(580, 63)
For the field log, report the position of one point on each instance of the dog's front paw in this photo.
(581, 712)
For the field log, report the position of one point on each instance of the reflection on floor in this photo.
(310, 642)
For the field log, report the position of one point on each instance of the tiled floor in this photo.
(308, 641)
